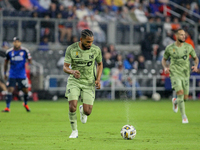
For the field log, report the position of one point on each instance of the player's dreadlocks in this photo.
(86, 32)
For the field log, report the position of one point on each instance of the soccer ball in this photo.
(156, 96)
(128, 132)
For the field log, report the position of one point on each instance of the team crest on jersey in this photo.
(77, 55)
(21, 53)
(174, 51)
(91, 56)
(184, 57)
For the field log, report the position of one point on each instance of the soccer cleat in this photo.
(175, 105)
(26, 107)
(83, 117)
(6, 110)
(74, 134)
(185, 120)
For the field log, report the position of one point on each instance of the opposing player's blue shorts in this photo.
(21, 83)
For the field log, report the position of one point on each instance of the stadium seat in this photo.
(30, 35)
(11, 32)
(149, 65)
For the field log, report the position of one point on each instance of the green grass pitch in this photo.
(47, 126)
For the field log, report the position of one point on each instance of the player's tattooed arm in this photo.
(75, 73)
(99, 72)
(164, 64)
(195, 67)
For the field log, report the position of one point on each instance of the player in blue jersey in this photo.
(16, 57)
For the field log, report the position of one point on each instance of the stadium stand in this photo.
(114, 23)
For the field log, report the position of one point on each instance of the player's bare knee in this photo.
(180, 92)
(72, 108)
(88, 112)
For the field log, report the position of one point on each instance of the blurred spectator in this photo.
(32, 23)
(89, 3)
(146, 46)
(55, 2)
(108, 15)
(73, 39)
(112, 51)
(83, 24)
(130, 4)
(189, 40)
(71, 13)
(160, 56)
(47, 28)
(168, 39)
(183, 18)
(77, 3)
(26, 4)
(153, 25)
(99, 35)
(107, 61)
(195, 9)
(98, 17)
(153, 8)
(129, 62)
(140, 63)
(16, 5)
(64, 31)
(4, 4)
(113, 6)
(140, 15)
(117, 3)
(104, 50)
(66, 3)
(97, 4)
(82, 12)
(105, 78)
(119, 61)
(53, 10)
(44, 45)
(167, 24)
(124, 23)
(129, 83)
(90, 10)
(117, 74)
(175, 25)
(45, 4)
(61, 62)
(155, 51)
(5, 45)
(161, 8)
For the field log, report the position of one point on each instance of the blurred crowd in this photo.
(90, 13)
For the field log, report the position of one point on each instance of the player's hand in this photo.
(166, 70)
(76, 74)
(194, 69)
(98, 84)
(5, 77)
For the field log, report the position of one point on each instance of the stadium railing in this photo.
(52, 84)
(127, 35)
